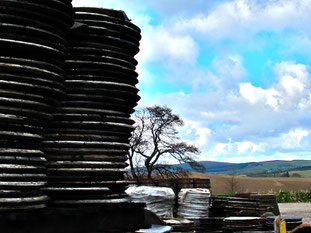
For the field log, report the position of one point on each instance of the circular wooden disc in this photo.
(74, 131)
(9, 15)
(58, 178)
(20, 201)
(85, 164)
(31, 34)
(26, 104)
(21, 168)
(89, 36)
(75, 64)
(23, 152)
(109, 25)
(82, 171)
(22, 177)
(91, 111)
(112, 126)
(24, 184)
(82, 145)
(83, 50)
(47, 13)
(79, 137)
(15, 119)
(37, 97)
(102, 14)
(87, 157)
(30, 68)
(41, 66)
(15, 45)
(76, 55)
(22, 207)
(22, 87)
(76, 190)
(89, 202)
(25, 112)
(19, 135)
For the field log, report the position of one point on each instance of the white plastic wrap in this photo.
(194, 203)
(159, 200)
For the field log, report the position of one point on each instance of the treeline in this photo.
(296, 196)
(283, 196)
(274, 174)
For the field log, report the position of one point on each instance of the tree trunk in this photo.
(148, 168)
(133, 172)
(149, 173)
(130, 157)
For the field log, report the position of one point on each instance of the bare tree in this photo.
(156, 136)
(233, 183)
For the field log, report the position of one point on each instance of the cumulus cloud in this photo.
(158, 44)
(292, 88)
(251, 121)
(293, 138)
(257, 95)
(244, 147)
(242, 18)
(194, 130)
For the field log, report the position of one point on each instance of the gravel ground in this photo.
(297, 209)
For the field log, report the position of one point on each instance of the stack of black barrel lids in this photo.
(87, 141)
(64, 137)
(32, 54)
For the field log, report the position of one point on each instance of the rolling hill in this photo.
(253, 168)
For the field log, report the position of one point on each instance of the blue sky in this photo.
(237, 72)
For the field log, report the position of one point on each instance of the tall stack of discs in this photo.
(87, 142)
(32, 53)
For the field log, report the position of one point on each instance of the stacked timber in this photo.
(32, 54)
(266, 201)
(233, 224)
(210, 224)
(234, 206)
(86, 143)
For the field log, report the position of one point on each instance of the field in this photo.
(306, 173)
(228, 184)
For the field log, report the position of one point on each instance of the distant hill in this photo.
(253, 168)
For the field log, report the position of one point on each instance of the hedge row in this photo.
(297, 196)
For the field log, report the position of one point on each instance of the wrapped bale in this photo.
(159, 200)
(194, 203)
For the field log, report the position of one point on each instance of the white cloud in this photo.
(243, 147)
(199, 135)
(293, 138)
(88, 3)
(159, 44)
(292, 89)
(244, 18)
(229, 70)
(257, 120)
(256, 95)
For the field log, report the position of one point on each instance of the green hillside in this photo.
(265, 168)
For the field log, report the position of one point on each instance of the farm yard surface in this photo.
(297, 209)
